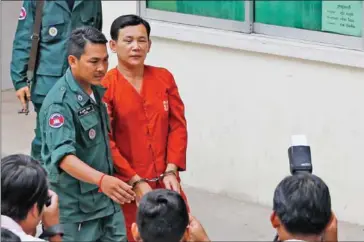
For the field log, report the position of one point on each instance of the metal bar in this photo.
(249, 15)
(362, 29)
(142, 8)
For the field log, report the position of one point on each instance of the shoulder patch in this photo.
(23, 14)
(56, 120)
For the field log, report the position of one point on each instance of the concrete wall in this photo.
(9, 18)
(242, 107)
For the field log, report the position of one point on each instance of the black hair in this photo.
(303, 204)
(81, 36)
(23, 184)
(162, 216)
(8, 236)
(127, 20)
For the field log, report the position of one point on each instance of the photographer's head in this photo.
(162, 217)
(301, 207)
(24, 190)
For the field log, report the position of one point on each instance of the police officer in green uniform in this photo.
(59, 18)
(74, 128)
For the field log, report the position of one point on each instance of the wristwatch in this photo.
(52, 231)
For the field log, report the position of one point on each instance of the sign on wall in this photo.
(343, 17)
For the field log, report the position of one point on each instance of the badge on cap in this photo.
(92, 134)
(53, 31)
(79, 98)
(56, 120)
(165, 104)
(23, 13)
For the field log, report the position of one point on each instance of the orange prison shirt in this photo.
(148, 130)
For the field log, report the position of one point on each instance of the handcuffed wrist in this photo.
(161, 177)
(170, 172)
(134, 184)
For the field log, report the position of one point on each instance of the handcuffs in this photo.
(155, 179)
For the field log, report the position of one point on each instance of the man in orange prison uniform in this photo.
(148, 135)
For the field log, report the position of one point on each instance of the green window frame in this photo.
(336, 23)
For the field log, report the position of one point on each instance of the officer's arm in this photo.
(99, 15)
(80, 170)
(60, 140)
(22, 44)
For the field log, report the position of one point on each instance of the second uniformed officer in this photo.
(59, 18)
(75, 145)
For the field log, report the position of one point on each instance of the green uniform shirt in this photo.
(72, 123)
(57, 23)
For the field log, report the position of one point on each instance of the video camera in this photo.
(299, 155)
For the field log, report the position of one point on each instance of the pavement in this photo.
(224, 218)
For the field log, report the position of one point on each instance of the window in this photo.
(233, 10)
(331, 22)
(228, 15)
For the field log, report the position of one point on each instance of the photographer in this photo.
(302, 209)
(26, 200)
(163, 216)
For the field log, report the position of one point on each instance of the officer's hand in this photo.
(141, 189)
(51, 213)
(23, 94)
(117, 190)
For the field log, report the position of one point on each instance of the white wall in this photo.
(242, 107)
(112, 10)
